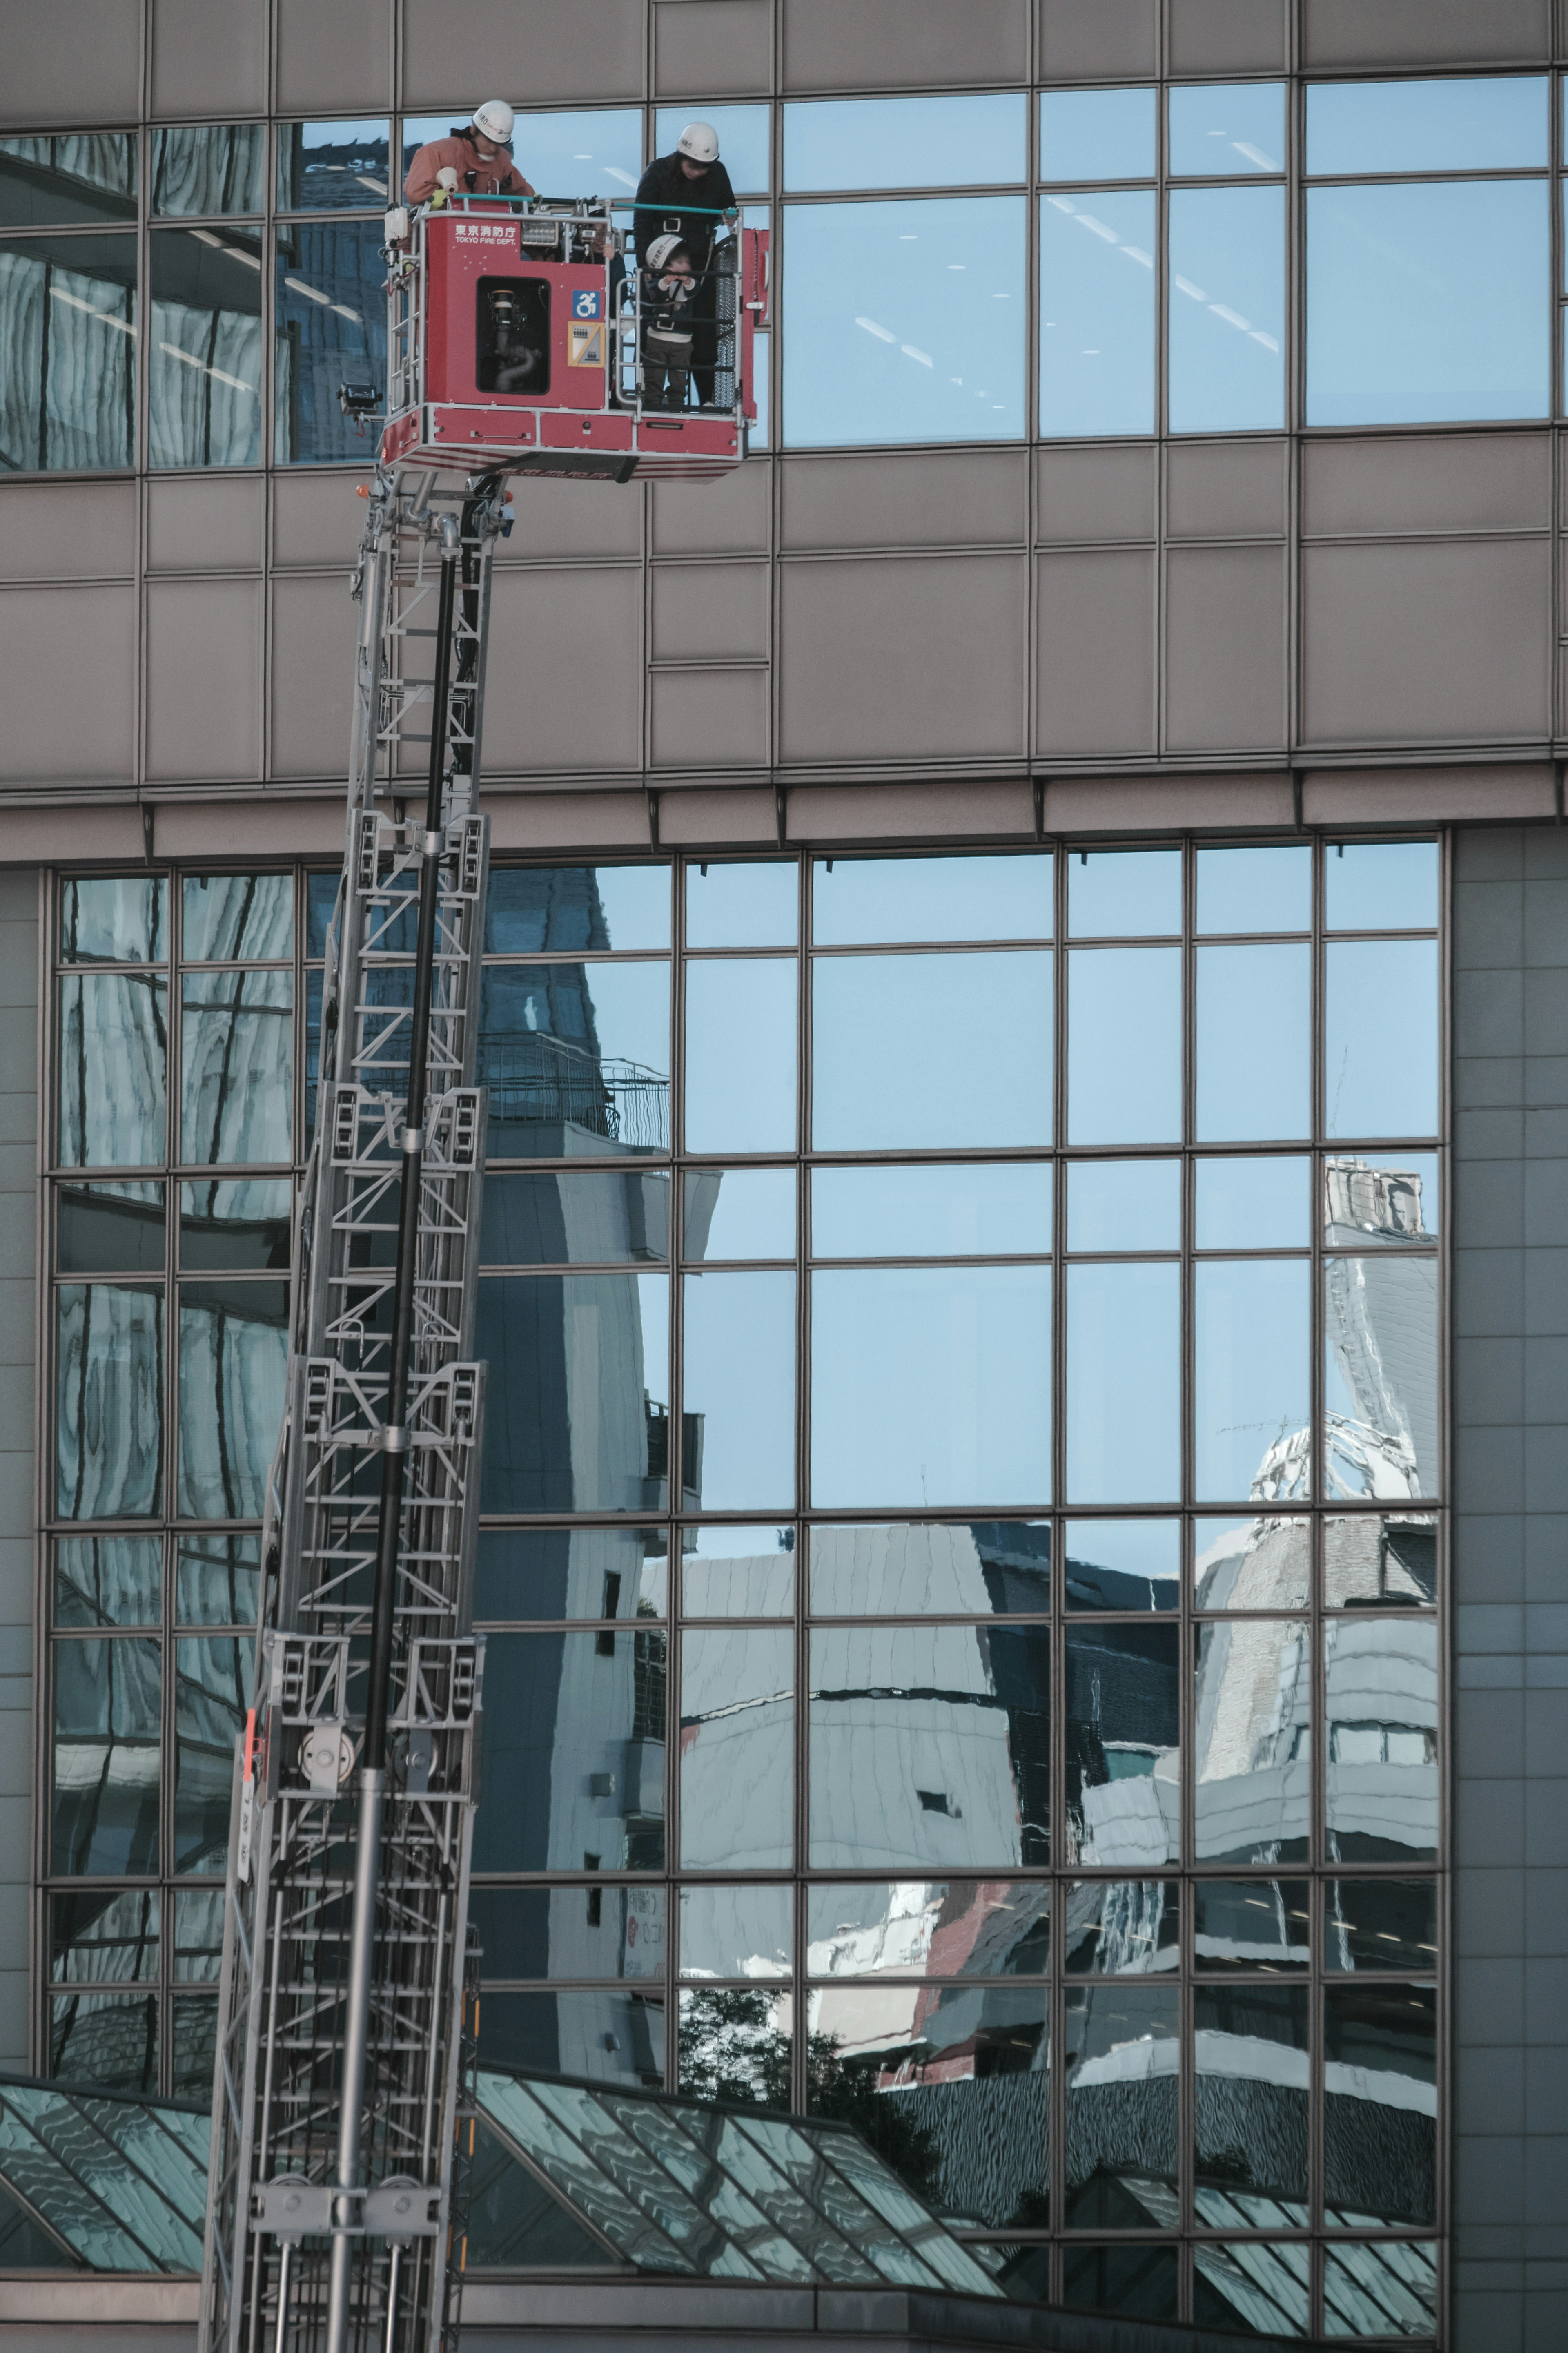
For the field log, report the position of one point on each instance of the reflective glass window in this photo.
(1252, 1716)
(576, 1059)
(106, 1720)
(68, 179)
(113, 1053)
(1252, 1202)
(541, 910)
(751, 905)
(879, 902)
(331, 167)
(1122, 1565)
(203, 372)
(1380, 1775)
(237, 918)
(1253, 1042)
(738, 1409)
(1226, 309)
(1227, 130)
(1471, 122)
(98, 1939)
(1097, 312)
(1380, 2104)
(110, 2039)
(737, 1739)
(1125, 1205)
(1251, 2096)
(216, 167)
(1380, 1374)
(930, 1747)
(1255, 890)
(579, 1220)
(1255, 1564)
(925, 1568)
(108, 1400)
(109, 1581)
(328, 327)
(109, 1228)
(744, 1931)
(1121, 1928)
(241, 1223)
(1097, 134)
(217, 1579)
(738, 1213)
(542, 1573)
(1388, 2289)
(1252, 1381)
(237, 1058)
(613, 2036)
(1389, 1560)
(881, 1024)
(956, 1210)
(234, 1355)
(1381, 886)
(1124, 1383)
(926, 332)
(562, 1931)
(930, 1385)
(575, 1762)
(1122, 1705)
(1381, 1201)
(741, 1022)
(1259, 1926)
(1124, 1045)
(67, 320)
(212, 1689)
(1124, 894)
(744, 139)
(577, 1403)
(735, 2043)
(1131, 2279)
(729, 1572)
(928, 1928)
(115, 918)
(904, 143)
(1120, 2154)
(1380, 1924)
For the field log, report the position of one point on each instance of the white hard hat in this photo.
(700, 141)
(661, 248)
(495, 119)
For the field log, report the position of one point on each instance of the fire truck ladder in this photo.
(344, 2078)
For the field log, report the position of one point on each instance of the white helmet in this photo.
(700, 141)
(495, 119)
(661, 248)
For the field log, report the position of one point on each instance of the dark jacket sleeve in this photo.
(650, 203)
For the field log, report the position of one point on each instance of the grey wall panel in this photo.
(333, 59)
(712, 48)
(960, 497)
(314, 624)
(1439, 642)
(53, 729)
(209, 58)
(710, 718)
(207, 523)
(1225, 37)
(1094, 666)
(1102, 491)
(733, 516)
(18, 1254)
(709, 612)
(1225, 649)
(317, 519)
(865, 45)
(1086, 40)
(44, 81)
(1423, 32)
(67, 530)
(1441, 482)
(919, 660)
(563, 689)
(544, 52)
(1227, 489)
(203, 678)
(560, 520)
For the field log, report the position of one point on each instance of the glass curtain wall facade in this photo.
(963, 1526)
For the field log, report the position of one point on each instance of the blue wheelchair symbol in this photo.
(587, 305)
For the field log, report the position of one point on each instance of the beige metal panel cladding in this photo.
(1437, 482)
(1225, 649)
(563, 521)
(1226, 37)
(317, 519)
(67, 530)
(867, 45)
(203, 658)
(732, 517)
(44, 81)
(56, 728)
(1094, 664)
(1440, 642)
(1227, 489)
(709, 612)
(549, 50)
(333, 59)
(710, 719)
(712, 48)
(314, 625)
(207, 523)
(1436, 32)
(563, 689)
(960, 497)
(916, 660)
(209, 58)
(1105, 491)
(1082, 40)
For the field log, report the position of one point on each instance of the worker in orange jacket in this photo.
(475, 160)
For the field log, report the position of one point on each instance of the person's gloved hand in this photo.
(447, 178)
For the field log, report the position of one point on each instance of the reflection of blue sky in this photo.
(1381, 886)
(739, 1343)
(741, 1054)
(904, 321)
(892, 900)
(1097, 312)
(742, 905)
(1124, 1045)
(1125, 1205)
(1123, 894)
(1256, 890)
(1097, 134)
(931, 1052)
(1124, 1385)
(744, 139)
(1150, 1548)
(1255, 1042)
(930, 1385)
(954, 141)
(1226, 300)
(1379, 1048)
(752, 1213)
(1466, 124)
(1224, 127)
(1263, 1203)
(953, 1211)
(1251, 1373)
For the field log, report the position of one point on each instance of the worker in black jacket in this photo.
(685, 196)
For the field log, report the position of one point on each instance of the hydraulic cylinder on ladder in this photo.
(342, 2096)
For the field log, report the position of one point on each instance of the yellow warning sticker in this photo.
(587, 347)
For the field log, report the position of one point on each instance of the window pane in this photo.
(1255, 1042)
(1370, 1560)
(109, 1580)
(113, 1061)
(234, 1356)
(614, 2038)
(1227, 310)
(112, 2042)
(1246, 2288)
(1381, 1202)
(586, 152)
(1121, 2153)
(238, 1063)
(237, 918)
(1250, 2097)
(956, 1211)
(115, 918)
(1380, 1374)
(209, 168)
(1121, 1927)
(910, 348)
(331, 167)
(242, 1222)
(109, 1228)
(212, 1686)
(737, 1738)
(109, 1401)
(730, 905)
(217, 1579)
(931, 1387)
(525, 1573)
(735, 2043)
(577, 1403)
(106, 1720)
(740, 1021)
(574, 1741)
(1252, 1403)
(1380, 2104)
(1252, 1716)
(1429, 301)
(66, 181)
(1124, 894)
(1097, 312)
(984, 1567)
(1124, 1045)
(1255, 890)
(744, 138)
(1125, 1205)
(1097, 134)
(576, 1058)
(1381, 1924)
(1252, 1203)
(738, 1425)
(928, 1928)
(193, 2040)
(1386, 2290)
(1228, 127)
(1122, 1565)
(104, 1939)
(1469, 123)
(1123, 1704)
(736, 1932)
(1124, 1383)
(1381, 1776)
(901, 142)
(1381, 886)
(1140, 2281)
(328, 327)
(1261, 1564)
(537, 910)
(737, 1572)
(1261, 1925)
(738, 1213)
(877, 901)
(930, 1747)
(575, 1220)
(983, 1019)
(67, 330)
(570, 1932)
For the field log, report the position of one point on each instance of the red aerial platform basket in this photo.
(515, 341)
